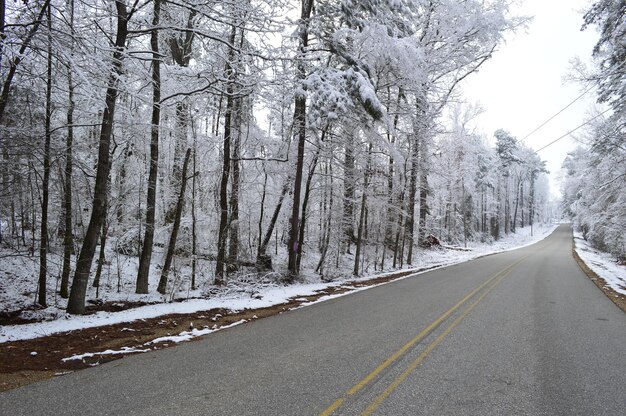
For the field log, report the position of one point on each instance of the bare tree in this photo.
(68, 236)
(228, 119)
(76, 303)
(45, 185)
(148, 240)
(299, 120)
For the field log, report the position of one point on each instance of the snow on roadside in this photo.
(265, 297)
(124, 350)
(269, 297)
(188, 335)
(603, 264)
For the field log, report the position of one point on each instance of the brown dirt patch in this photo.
(29, 361)
(14, 318)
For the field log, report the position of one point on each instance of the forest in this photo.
(594, 187)
(203, 141)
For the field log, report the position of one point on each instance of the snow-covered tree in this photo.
(315, 133)
(593, 191)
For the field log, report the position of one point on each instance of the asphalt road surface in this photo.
(519, 333)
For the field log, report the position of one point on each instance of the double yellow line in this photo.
(491, 283)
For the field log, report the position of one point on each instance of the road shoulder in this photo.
(617, 298)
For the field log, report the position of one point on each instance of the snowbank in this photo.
(603, 264)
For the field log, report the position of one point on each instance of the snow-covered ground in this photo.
(603, 264)
(16, 289)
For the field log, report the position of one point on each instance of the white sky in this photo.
(524, 83)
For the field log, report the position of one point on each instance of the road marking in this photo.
(379, 400)
(328, 411)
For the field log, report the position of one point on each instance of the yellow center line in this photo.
(328, 411)
(379, 400)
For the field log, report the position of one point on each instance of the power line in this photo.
(567, 106)
(560, 111)
(572, 131)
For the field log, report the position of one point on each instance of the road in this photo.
(519, 333)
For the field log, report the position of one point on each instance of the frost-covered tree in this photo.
(316, 132)
(76, 303)
(593, 190)
(610, 51)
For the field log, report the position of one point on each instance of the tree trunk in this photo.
(399, 227)
(349, 182)
(263, 261)
(517, 198)
(121, 185)
(228, 115)
(495, 221)
(465, 212)
(148, 240)
(102, 255)
(262, 212)
(180, 144)
(172, 244)
(103, 236)
(391, 209)
(299, 121)
(531, 208)
(424, 190)
(507, 214)
(483, 207)
(194, 252)
(68, 236)
(233, 248)
(31, 169)
(305, 203)
(522, 205)
(76, 303)
(362, 216)
(43, 244)
(326, 238)
(410, 220)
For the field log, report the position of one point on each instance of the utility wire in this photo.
(560, 111)
(567, 106)
(572, 131)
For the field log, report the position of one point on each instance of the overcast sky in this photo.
(524, 83)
